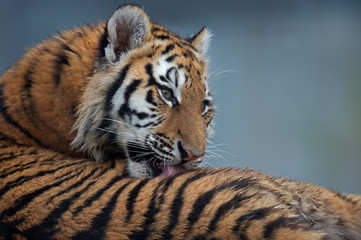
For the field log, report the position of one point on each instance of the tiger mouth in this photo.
(143, 154)
(161, 170)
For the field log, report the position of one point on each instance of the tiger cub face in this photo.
(148, 100)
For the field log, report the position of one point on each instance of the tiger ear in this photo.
(126, 29)
(201, 40)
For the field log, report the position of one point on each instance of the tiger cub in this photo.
(125, 89)
(134, 97)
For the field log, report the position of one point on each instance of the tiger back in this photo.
(134, 97)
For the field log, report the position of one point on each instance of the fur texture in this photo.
(134, 97)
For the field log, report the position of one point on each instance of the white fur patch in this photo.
(176, 79)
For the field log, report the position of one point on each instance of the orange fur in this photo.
(50, 191)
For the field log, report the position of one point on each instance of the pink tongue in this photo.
(170, 170)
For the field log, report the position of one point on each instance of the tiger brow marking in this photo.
(149, 70)
(100, 221)
(171, 58)
(168, 76)
(169, 48)
(11, 121)
(162, 37)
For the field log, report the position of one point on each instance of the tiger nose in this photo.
(186, 154)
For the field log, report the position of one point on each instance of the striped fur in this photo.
(133, 96)
(44, 195)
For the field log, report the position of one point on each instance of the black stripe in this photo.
(142, 115)
(153, 123)
(234, 203)
(97, 195)
(22, 179)
(100, 221)
(110, 94)
(153, 209)
(171, 58)
(67, 48)
(5, 172)
(162, 78)
(204, 199)
(159, 121)
(10, 156)
(24, 166)
(114, 87)
(28, 103)
(74, 185)
(177, 205)
(283, 222)
(169, 48)
(124, 109)
(8, 139)
(149, 70)
(60, 61)
(169, 71)
(27, 198)
(130, 89)
(347, 198)
(150, 98)
(199, 237)
(46, 229)
(256, 214)
(133, 197)
(157, 29)
(10, 120)
(162, 37)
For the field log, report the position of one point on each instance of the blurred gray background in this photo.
(286, 76)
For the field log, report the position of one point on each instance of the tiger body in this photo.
(112, 93)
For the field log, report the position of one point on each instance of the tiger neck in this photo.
(40, 94)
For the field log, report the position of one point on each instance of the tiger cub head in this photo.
(148, 100)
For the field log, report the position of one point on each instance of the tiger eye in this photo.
(167, 94)
(203, 107)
